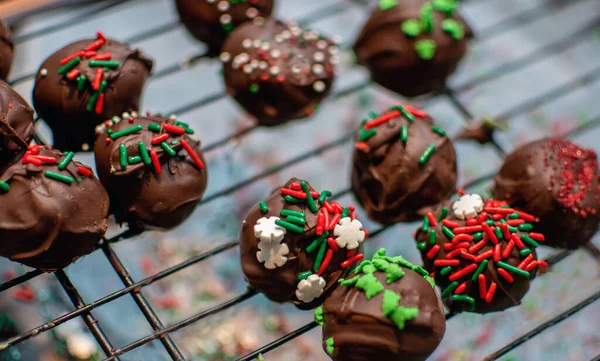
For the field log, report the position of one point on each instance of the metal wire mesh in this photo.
(134, 288)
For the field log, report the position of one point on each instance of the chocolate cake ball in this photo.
(558, 181)
(54, 210)
(154, 172)
(6, 50)
(16, 125)
(295, 244)
(85, 83)
(412, 46)
(387, 310)
(482, 254)
(403, 165)
(211, 21)
(278, 71)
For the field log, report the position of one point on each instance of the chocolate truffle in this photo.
(412, 46)
(403, 165)
(295, 244)
(278, 71)
(6, 50)
(482, 254)
(387, 310)
(211, 21)
(16, 125)
(85, 83)
(558, 181)
(54, 210)
(153, 171)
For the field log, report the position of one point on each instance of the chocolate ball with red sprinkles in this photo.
(403, 165)
(277, 71)
(16, 125)
(53, 211)
(296, 244)
(7, 50)
(211, 21)
(558, 181)
(154, 172)
(85, 83)
(481, 253)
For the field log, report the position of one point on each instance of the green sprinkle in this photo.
(432, 237)
(103, 86)
(530, 242)
(403, 314)
(479, 269)
(304, 275)
(425, 227)
(489, 222)
(394, 273)
(330, 345)
(104, 64)
(425, 48)
(181, 124)
(260, 357)
(5, 187)
(109, 131)
(288, 212)
(420, 270)
(387, 4)
(498, 232)
(448, 291)
(92, 103)
(448, 233)
(373, 115)
(168, 149)
(289, 226)
(123, 155)
(370, 284)
(317, 242)
(174, 143)
(320, 255)
(126, 132)
(525, 252)
(421, 246)
(81, 82)
(513, 269)
(513, 216)
(134, 160)
(68, 66)
(404, 134)
(513, 229)
(443, 214)
(324, 196)
(525, 227)
(345, 213)
(263, 207)
(350, 282)
(427, 17)
(366, 134)
(155, 128)
(254, 88)
(405, 114)
(66, 160)
(291, 199)
(412, 27)
(454, 28)
(59, 177)
(390, 302)
(462, 298)
(478, 236)
(445, 6)
(144, 153)
(427, 154)
(319, 316)
(296, 220)
(438, 130)
(445, 271)
(309, 199)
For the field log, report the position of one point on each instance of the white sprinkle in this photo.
(334, 59)
(334, 50)
(279, 38)
(256, 43)
(318, 69)
(225, 19)
(85, 147)
(248, 68)
(251, 13)
(254, 64)
(134, 114)
(223, 6)
(296, 69)
(319, 86)
(225, 57)
(296, 31)
(173, 117)
(265, 46)
(259, 21)
(322, 44)
(319, 56)
(263, 65)
(274, 70)
(275, 53)
(247, 43)
(43, 72)
(286, 34)
(210, 1)
(125, 115)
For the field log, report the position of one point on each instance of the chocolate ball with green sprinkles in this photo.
(481, 253)
(403, 165)
(412, 46)
(387, 310)
(153, 170)
(85, 83)
(54, 210)
(297, 243)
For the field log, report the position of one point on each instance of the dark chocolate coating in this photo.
(48, 224)
(141, 197)
(280, 284)
(59, 102)
(290, 77)
(206, 20)
(390, 54)
(16, 125)
(361, 332)
(7, 50)
(557, 181)
(388, 180)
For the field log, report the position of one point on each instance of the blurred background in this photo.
(533, 64)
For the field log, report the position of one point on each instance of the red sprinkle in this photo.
(463, 272)
(155, 162)
(366, 233)
(490, 233)
(482, 286)
(455, 253)
(497, 217)
(84, 171)
(497, 253)
(470, 229)
(105, 56)
(98, 79)
(462, 237)
(472, 222)
(333, 221)
(192, 154)
(353, 216)
(461, 288)
(505, 211)
(29, 159)
(414, 111)
(468, 256)
(526, 261)
(320, 224)
(531, 266)
(352, 260)
(526, 216)
(71, 57)
(446, 262)
(518, 241)
(100, 35)
(482, 217)
(509, 247)
(295, 194)
(73, 74)
(505, 231)
(461, 192)
(350, 253)
(328, 207)
(490, 293)
(515, 222)
(450, 224)
(448, 246)
(463, 245)
(332, 244)
(432, 220)
(484, 255)
(100, 103)
(173, 129)
(107, 140)
(45, 159)
(537, 236)
(326, 261)
(95, 45)
(542, 264)
(161, 138)
(382, 119)
(90, 54)
(362, 146)
(507, 276)
(433, 251)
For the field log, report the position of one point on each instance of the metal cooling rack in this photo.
(134, 288)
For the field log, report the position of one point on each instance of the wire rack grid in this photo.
(463, 98)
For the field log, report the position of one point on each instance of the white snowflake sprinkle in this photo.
(349, 233)
(272, 254)
(468, 206)
(310, 288)
(266, 230)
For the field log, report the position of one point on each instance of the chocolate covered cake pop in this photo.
(211, 21)
(481, 253)
(16, 125)
(53, 211)
(387, 310)
(85, 83)
(6, 50)
(295, 244)
(412, 46)
(558, 181)
(278, 71)
(153, 171)
(403, 165)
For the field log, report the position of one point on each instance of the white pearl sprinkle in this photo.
(256, 43)
(275, 53)
(254, 64)
(259, 21)
(225, 19)
(225, 57)
(319, 86)
(334, 50)
(286, 34)
(279, 39)
(134, 114)
(274, 70)
(251, 13)
(44, 72)
(322, 44)
(319, 56)
(296, 69)
(173, 117)
(265, 46)
(125, 115)
(246, 43)
(263, 65)
(223, 6)
(318, 69)
(85, 147)
(296, 31)
(248, 68)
